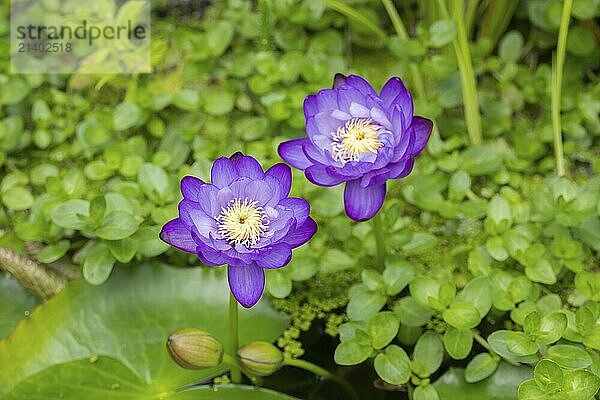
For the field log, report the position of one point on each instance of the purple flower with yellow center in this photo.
(358, 137)
(244, 218)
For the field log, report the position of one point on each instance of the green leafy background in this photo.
(491, 284)
(109, 341)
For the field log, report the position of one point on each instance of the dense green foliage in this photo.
(492, 258)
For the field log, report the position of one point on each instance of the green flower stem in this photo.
(497, 16)
(402, 33)
(341, 7)
(236, 374)
(379, 239)
(470, 16)
(417, 77)
(315, 369)
(465, 67)
(557, 74)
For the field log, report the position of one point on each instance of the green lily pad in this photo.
(107, 379)
(127, 319)
(15, 303)
(501, 385)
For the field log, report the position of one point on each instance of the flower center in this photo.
(242, 222)
(355, 137)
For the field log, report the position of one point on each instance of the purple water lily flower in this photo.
(243, 218)
(359, 137)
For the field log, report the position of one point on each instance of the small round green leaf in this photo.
(552, 327)
(442, 32)
(118, 225)
(462, 315)
(393, 365)
(98, 265)
(541, 271)
(365, 304)
(548, 375)
(123, 250)
(480, 367)
(497, 340)
(568, 356)
(478, 293)
(397, 275)
(422, 288)
(383, 328)
(580, 384)
(17, 198)
(71, 214)
(510, 46)
(529, 390)
(428, 354)
(279, 283)
(351, 352)
(53, 252)
(411, 313)
(458, 342)
(126, 115)
(519, 344)
(425, 393)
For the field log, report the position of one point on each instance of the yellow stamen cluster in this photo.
(242, 222)
(355, 137)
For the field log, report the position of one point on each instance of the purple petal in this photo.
(261, 192)
(275, 257)
(223, 172)
(225, 195)
(279, 227)
(326, 124)
(204, 196)
(395, 93)
(247, 283)
(322, 175)
(302, 234)
(178, 235)
(291, 152)
(347, 96)
(339, 80)
(363, 203)
(212, 258)
(422, 128)
(379, 116)
(361, 85)
(311, 127)
(396, 170)
(403, 136)
(208, 255)
(352, 170)
(283, 175)
(300, 208)
(327, 100)
(191, 187)
(398, 173)
(359, 110)
(248, 166)
(192, 215)
(310, 106)
(313, 154)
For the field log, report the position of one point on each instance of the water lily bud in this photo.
(260, 358)
(192, 348)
